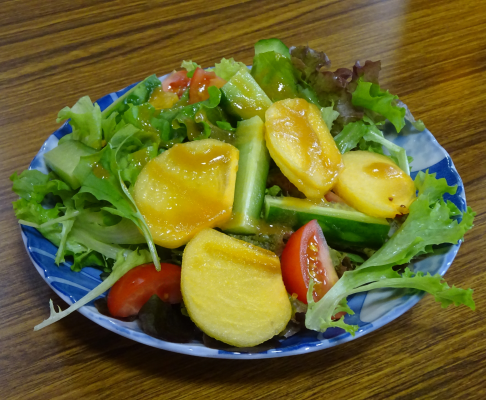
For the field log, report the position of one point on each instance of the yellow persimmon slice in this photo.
(299, 142)
(375, 185)
(232, 290)
(186, 189)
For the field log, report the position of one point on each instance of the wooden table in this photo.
(433, 54)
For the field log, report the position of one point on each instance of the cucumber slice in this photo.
(64, 158)
(251, 178)
(342, 226)
(243, 97)
(276, 45)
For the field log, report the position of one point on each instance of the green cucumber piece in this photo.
(251, 178)
(275, 75)
(243, 97)
(137, 95)
(276, 45)
(64, 158)
(342, 226)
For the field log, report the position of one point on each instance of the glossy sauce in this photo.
(186, 188)
(315, 268)
(99, 171)
(160, 99)
(303, 148)
(140, 157)
(383, 171)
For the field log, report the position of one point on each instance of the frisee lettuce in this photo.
(100, 175)
(366, 130)
(370, 96)
(226, 68)
(190, 66)
(85, 121)
(431, 221)
(125, 261)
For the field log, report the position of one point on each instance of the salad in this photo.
(242, 204)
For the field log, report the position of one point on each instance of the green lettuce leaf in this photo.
(329, 115)
(200, 118)
(100, 176)
(134, 148)
(125, 261)
(90, 258)
(85, 121)
(350, 136)
(431, 222)
(226, 68)
(55, 223)
(190, 67)
(370, 138)
(137, 95)
(124, 232)
(370, 96)
(319, 315)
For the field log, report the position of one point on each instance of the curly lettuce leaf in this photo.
(308, 61)
(134, 148)
(319, 315)
(431, 222)
(190, 66)
(85, 121)
(90, 258)
(137, 95)
(200, 119)
(370, 96)
(350, 136)
(100, 176)
(226, 68)
(329, 115)
(55, 223)
(369, 72)
(371, 139)
(125, 261)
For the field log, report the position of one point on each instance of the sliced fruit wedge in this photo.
(186, 189)
(373, 184)
(232, 290)
(300, 144)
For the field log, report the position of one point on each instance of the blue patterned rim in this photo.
(372, 309)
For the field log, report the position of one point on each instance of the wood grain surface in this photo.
(433, 54)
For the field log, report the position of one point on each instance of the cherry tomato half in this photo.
(307, 254)
(176, 82)
(137, 286)
(200, 81)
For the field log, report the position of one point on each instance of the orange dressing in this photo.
(140, 157)
(383, 171)
(99, 171)
(186, 190)
(161, 100)
(300, 143)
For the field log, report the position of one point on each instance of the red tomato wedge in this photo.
(200, 82)
(137, 286)
(176, 82)
(307, 254)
